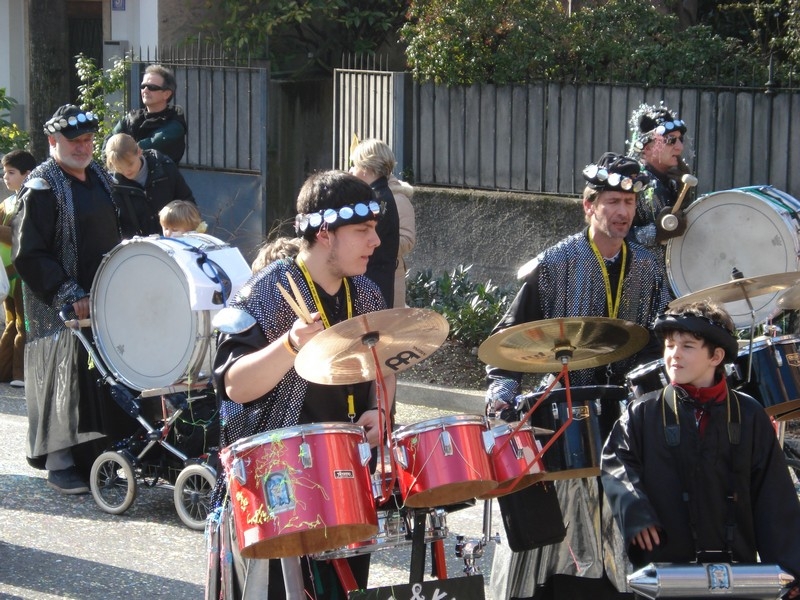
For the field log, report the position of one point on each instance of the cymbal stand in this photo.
(752, 334)
(472, 550)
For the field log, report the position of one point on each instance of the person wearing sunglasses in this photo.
(260, 391)
(657, 142)
(160, 125)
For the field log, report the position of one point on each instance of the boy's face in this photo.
(13, 178)
(170, 232)
(129, 166)
(688, 360)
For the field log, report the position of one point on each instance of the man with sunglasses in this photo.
(159, 125)
(257, 385)
(593, 273)
(657, 142)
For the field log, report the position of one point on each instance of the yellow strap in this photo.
(315, 295)
(613, 306)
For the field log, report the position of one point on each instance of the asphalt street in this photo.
(56, 546)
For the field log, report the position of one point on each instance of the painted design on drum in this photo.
(271, 468)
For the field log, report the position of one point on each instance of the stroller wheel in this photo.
(192, 494)
(113, 482)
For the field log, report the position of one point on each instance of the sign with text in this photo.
(459, 588)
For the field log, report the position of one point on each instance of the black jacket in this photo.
(164, 184)
(164, 131)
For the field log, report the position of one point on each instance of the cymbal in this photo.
(538, 346)
(789, 300)
(741, 289)
(341, 354)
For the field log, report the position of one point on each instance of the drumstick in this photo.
(301, 314)
(299, 297)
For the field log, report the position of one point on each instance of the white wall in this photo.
(137, 24)
(13, 46)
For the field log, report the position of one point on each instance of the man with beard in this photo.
(158, 125)
(66, 223)
(594, 273)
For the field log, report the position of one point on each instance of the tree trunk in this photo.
(49, 65)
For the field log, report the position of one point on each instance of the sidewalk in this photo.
(54, 546)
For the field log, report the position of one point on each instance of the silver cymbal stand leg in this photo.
(471, 550)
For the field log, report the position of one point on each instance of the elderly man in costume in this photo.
(657, 142)
(594, 273)
(66, 224)
(257, 385)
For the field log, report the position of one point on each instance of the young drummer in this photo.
(696, 473)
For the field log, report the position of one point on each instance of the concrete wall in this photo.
(496, 232)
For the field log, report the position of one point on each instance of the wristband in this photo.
(287, 341)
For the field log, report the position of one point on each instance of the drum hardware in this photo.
(667, 580)
(472, 550)
(669, 222)
(564, 343)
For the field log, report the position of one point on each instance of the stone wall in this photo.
(495, 232)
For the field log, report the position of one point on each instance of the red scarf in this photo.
(716, 394)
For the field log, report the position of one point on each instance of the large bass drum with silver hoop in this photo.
(751, 229)
(152, 300)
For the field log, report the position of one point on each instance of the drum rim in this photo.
(287, 433)
(646, 368)
(762, 195)
(432, 424)
(127, 373)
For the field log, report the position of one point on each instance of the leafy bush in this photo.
(11, 136)
(462, 42)
(96, 87)
(472, 309)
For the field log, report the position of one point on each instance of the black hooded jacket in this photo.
(164, 184)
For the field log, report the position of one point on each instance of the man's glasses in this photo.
(152, 88)
(671, 141)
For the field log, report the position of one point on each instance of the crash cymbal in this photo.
(584, 342)
(741, 289)
(342, 354)
(789, 300)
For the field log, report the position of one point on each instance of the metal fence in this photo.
(538, 137)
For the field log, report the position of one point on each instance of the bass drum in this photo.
(752, 229)
(152, 301)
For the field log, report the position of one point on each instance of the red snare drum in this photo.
(444, 461)
(300, 490)
(513, 457)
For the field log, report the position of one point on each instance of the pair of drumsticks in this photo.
(296, 303)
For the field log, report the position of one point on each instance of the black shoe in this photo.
(67, 481)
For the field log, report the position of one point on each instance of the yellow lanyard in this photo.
(613, 306)
(317, 301)
(351, 401)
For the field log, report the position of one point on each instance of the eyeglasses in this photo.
(152, 88)
(671, 141)
(357, 212)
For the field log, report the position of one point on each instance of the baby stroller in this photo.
(152, 300)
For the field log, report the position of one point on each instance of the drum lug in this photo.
(400, 456)
(305, 455)
(488, 440)
(447, 442)
(238, 471)
(518, 452)
(364, 453)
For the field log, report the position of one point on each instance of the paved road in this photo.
(55, 546)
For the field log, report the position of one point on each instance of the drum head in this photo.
(750, 229)
(143, 325)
